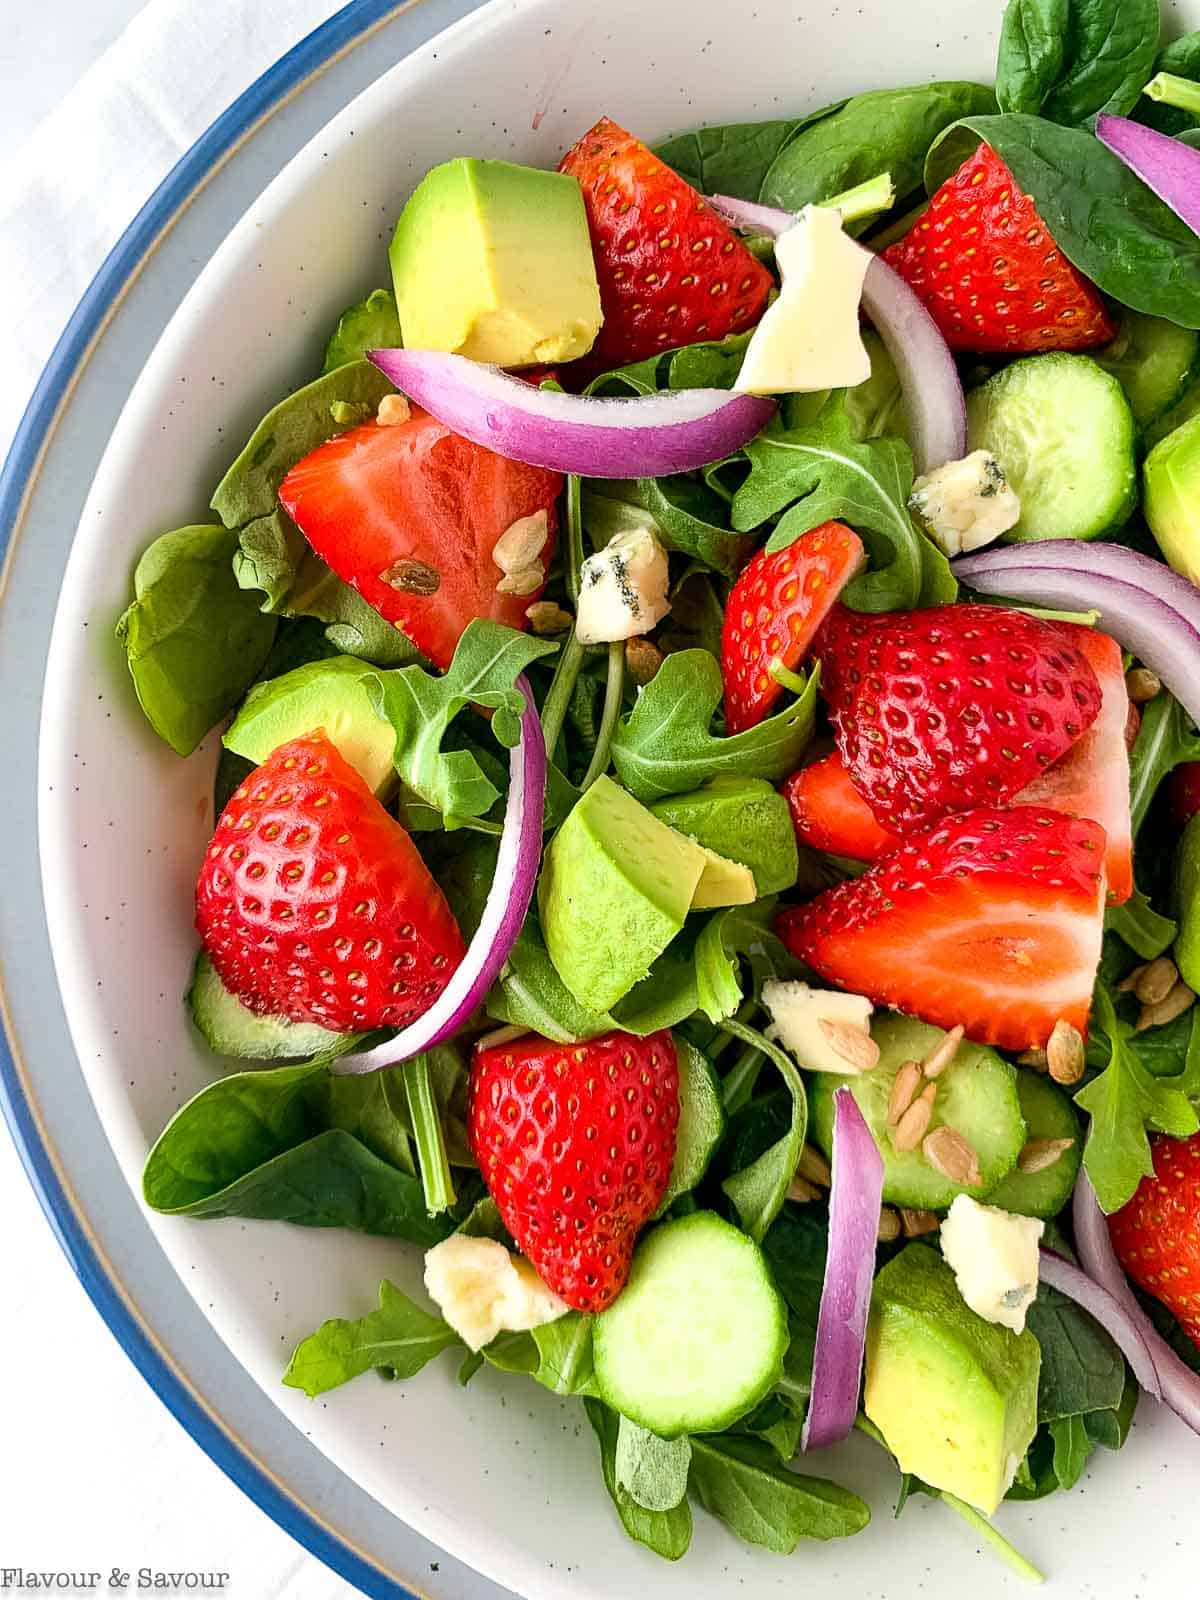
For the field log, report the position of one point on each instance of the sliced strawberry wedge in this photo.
(828, 813)
(1092, 779)
(992, 919)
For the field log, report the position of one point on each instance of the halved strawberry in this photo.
(950, 707)
(829, 813)
(1092, 779)
(985, 265)
(777, 604)
(1157, 1234)
(409, 514)
(670, 271)
(992, 919)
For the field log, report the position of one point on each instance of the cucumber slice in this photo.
(701, 1122)
(1048, 1114)
(1061, 428)
(232, 1029)
(976, 1095)
(1152, 360)
(697, 1336)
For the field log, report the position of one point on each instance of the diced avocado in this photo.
(494, 262)
(742, 819)
(955, 1397)
(329, 695)
(723, 883)
(615, 889)
(1172, 497)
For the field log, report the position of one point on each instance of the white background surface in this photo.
(94, 1472)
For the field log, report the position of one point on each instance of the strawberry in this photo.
(313, 902)
(777, 604)
(409, 514)
(950, 707)
(1184, 791)
(994, 280)
(1092, 779)
(1157, 1234)
(670, 271)
(575, 1143)
(992, 919)
(828, 813)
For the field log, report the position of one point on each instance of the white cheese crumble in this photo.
(966, 504)
(483, 1289)
(825, 1029)
(622, 589)
(994, 1255)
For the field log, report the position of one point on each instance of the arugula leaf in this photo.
(273, 556)
(487, 662)
(1071, 58)
(738, 931)
(399, 1339)
(682, 512)
(1072, 1447)
(714, 363)
(1082, 1369)
(1141, 927)
(795, 1247)
(734, 158)
(777, 1424)
(759, 1190)
(558, 1355)
(1103, 219)
(740, 1481)
(194, 642)
(819, 470)
(883, 130)
(1165, 738)
(665, 745)
(653, 1472)
(1123, 1102)
(667, 1533)
(371, 324)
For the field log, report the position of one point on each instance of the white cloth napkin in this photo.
(94, 1471)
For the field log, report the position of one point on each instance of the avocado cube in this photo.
(723, 883)
(322, 695)
(494, 262)
(742, 819)
(954, 1397)
(615, 889)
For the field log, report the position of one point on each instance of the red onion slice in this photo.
(1144, 605)
(1176, 1384)
(750, 216)
(1170, 169)
(1111, 1313)
(504, 913)
(855, 1195)
(645, 436)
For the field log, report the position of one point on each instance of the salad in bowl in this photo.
(706, 841)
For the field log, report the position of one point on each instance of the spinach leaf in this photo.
(1082, 1369)
(289, 431)
(1141, 927)
(373, 1107)
(665, 745)
(653, 1472)
(372, 324)
(734, 157)
(682, 511)
(819, 470)
(558, 1355)
(1071, 58)
(273, 556)
(759, 1190)
(1033, 47)
(1181, 58)
(194, 642)
(1164, 740)
(1103, 219)
(421, 707)
(886, 129)
(667, 1533)
(795, 1247)
(1072, 1447)
(740, 1481)
(1123, 1102)
(1110, 1429)
(399, 1339)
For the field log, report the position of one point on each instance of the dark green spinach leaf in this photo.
(372, 324)
(683, 512)
(759, 1190)
(667, 1533)
(1069, 59)
(399, 1339)
(1072, 1447)
(734, 157)
(1181, 58)
(741, 1482)
(1082, 1369)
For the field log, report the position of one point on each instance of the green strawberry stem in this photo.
(1171, 90)
(614, 691)
(866, 199)
(789, 679)
(1009, 1553)
(436, 1177)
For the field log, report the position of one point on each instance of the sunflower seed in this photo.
(1179, 1000)
(855, 1045)
(1065, 1053)
(1141, 685)
(949, 1153)
(914, 1124)
(889, 1225)
(1039, 1154)
(915, 1223)
(1034, 1059)
(393, 410)
(522, 580)
(814, 1167)
(411, 577)
(546, 617)
(802, 1191)
(1156, 981)
(1131, 980)
(643, 660)
(940, 1057)
(521, 543)
(904, 1088)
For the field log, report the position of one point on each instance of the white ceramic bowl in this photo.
(501, 1474)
